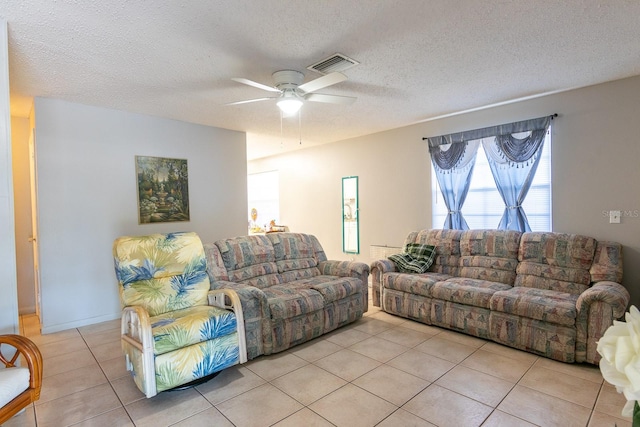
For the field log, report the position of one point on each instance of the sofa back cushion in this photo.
(317, 248)
(555, 261)
(250, 260)
(295, 255)
(489, 255)
(607, 262)
(161, 272)
(447, 244)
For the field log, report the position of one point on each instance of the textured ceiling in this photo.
(418, 59)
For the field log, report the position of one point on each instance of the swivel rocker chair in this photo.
(171, 336)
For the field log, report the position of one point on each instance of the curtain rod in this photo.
(552, 116)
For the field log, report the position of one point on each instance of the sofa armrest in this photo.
(135, 326)
(377, 269)
(383, 266)
(597, 308)
(356, 269)
(256, 313)
(611, 293)
(345, 269)
(228, 299)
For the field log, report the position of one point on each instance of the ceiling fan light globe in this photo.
(289, 106)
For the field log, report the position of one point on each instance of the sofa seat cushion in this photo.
(467, 291)
(194, 362)
(13, 381)
(291, 300)
(419, 284)
(333, 288)
(539, 304)
(181, 328)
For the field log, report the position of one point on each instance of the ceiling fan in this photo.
(292, 93)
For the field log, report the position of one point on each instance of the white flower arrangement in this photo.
(620, 362)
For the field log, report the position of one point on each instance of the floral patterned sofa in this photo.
(290, 293)
(551, 294)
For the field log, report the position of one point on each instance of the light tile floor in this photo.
(380, 371)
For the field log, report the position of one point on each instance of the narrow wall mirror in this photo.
(350, 228)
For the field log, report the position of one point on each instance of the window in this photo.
(484, 207)
(263, 194)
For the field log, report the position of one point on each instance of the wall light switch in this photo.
(614, 217)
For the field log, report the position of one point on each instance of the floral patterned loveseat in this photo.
(290, 293)
(551, 294)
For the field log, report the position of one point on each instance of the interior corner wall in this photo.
(595, 169)
(9, 323)
(87, 197)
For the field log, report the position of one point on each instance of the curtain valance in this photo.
(504, 129)
(454, 156)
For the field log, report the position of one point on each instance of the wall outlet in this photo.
(614, 217)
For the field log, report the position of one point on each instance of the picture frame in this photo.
(163, 189)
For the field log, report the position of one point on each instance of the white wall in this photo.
(87, 197)
(311, 188)
(8, 292)
(595, 168)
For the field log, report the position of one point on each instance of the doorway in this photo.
(25, 214)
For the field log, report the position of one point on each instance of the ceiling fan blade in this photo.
(331, 99)
(255, 84)
(249, 100)
(322, 82)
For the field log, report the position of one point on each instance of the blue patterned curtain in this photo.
(513, 163)
(453, 164)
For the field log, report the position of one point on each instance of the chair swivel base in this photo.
(195, 382)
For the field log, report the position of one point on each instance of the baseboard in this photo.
(49, 329)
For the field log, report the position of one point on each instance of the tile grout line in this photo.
(122, 405)
(391, 326)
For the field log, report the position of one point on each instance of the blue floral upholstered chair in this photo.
(171, 336)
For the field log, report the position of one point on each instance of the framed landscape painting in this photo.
(163, 189)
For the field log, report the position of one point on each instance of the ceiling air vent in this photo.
(336, 62)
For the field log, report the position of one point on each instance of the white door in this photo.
(34, 219)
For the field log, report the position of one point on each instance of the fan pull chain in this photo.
(300, 126)
(281, 133)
